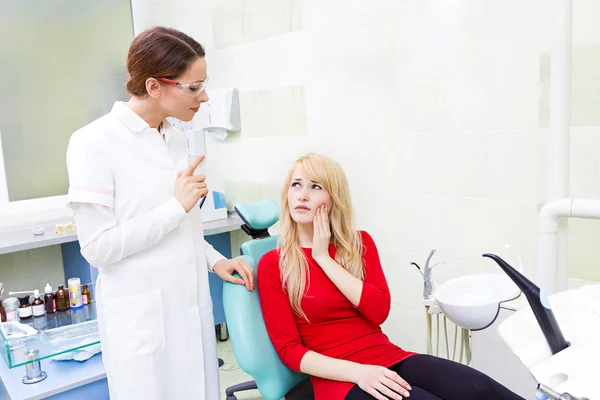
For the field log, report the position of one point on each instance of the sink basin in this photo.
(473, 301)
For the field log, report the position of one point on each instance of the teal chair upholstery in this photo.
(251, 345)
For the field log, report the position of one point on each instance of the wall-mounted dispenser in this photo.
(217, 117)
(220, 115)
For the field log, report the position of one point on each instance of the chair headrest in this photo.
(259, 216)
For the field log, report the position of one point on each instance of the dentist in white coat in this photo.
(135, 200)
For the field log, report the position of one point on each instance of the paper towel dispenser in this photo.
(221, 113)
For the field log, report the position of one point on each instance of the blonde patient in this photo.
(324, 297)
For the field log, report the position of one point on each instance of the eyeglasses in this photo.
(191, 90)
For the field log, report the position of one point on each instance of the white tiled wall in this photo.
(259, 120)
(241, 21)
(433, 107)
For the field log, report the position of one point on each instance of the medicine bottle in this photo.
(38, 304)
(25, 310)
(62, 299)
(86, 294)
(49, 300)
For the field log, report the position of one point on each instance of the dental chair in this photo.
(251, 345)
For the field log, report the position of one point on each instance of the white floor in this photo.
(230, 374)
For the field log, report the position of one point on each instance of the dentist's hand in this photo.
(225, 268)
(321, 235)
(190, 188)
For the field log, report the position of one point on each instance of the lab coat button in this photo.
(191, 259)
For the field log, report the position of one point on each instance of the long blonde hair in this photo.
(292, 263)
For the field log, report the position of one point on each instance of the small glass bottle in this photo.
(25, 309)
(86, 294)
(38, 304)
(62, 299)
(2, 312)
(49, 300)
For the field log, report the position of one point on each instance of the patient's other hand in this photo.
(380, 382)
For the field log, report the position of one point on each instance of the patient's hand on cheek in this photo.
(321, 235)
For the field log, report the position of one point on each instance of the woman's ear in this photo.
(153, 87)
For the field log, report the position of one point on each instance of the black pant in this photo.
(434, 378)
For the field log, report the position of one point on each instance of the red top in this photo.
(337, 329)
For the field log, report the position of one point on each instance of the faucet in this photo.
(427, 286)
(426, 273)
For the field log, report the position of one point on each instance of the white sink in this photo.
(473, 301)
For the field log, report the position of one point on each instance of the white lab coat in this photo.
(153, 298)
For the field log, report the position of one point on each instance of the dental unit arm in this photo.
(535, 335)
(539, 304)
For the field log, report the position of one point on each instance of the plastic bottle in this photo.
(11, 305)
(75, 292)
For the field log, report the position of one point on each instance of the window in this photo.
(62, 66)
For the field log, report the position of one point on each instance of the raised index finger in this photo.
(189, 171)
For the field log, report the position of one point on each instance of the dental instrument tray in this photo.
(51, 335)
